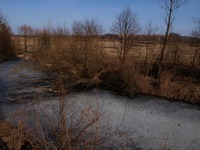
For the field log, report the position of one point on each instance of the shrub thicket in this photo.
(6, 46)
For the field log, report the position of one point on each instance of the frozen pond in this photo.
(143, 122)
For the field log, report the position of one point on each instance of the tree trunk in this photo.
(165, 38)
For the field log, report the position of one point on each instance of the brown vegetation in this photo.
(6, 45)
(26, 32)
(166, 66)
(57, 125)
(125, 27)
(85, 60)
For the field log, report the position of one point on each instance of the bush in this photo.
(6, 46)
(80, 55)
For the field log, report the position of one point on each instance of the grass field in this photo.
(181, 65)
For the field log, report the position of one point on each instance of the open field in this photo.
(81, 84)
(80, 63)
(186, 51)
(181, 65)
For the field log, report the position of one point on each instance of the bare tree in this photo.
(6, 46)
(60, 31)
(89, 27)
(26, 31)
(175, 51)
(196, 31)
(170, 7)
(59, 37)
(44, 39)
(196, 43)
(86, 48)
(150, 31)
(125, 26)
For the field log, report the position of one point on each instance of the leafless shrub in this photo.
(170, 7)
(196, 42)
(59, 124)
(130, 74)
(6, 45)
(80, 55)
(86, 49)
(174, 52)
(125, 27)
(13, 137)
(26, 32)
(150, 31)
(44, 39)
(196, 31)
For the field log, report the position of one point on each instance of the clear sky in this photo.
(36, 13)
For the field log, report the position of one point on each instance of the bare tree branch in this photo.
(125, 26)
(196, 31)
(170, 7)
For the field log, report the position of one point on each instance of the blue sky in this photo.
(36, 13)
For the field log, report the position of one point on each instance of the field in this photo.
(179, 79)
(74, 64)
(89, 86)
(185, 49)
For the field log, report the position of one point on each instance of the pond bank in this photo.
(143, 122)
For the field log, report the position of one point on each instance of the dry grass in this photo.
(85, 59)
(185, 91)
(186, 51)
(168, 85)
(55, 125)
(13, 137)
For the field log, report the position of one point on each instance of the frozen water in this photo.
(143, 122)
